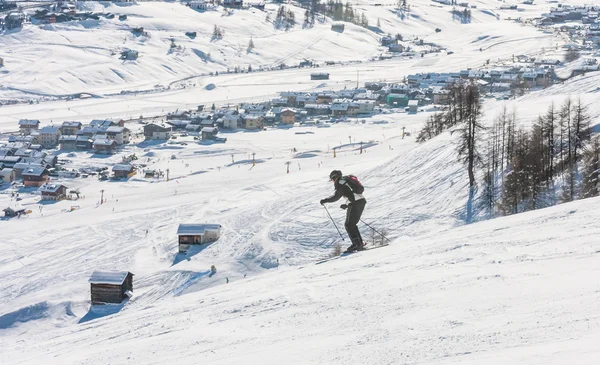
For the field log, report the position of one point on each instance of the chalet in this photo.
(387, 40)
(14, 212)
(317, 109)
(49, 136)
(104, 145)
(319, 76)
(102, 123)
(129, 55)
(155, 131)
(440, 96)
(21, 139)
(230, 120)
(110, 286)
(35, 176)
(304, 99)
(337, 27)
(68, 142)
(118, 134)
(288, 116)
(70, 128)
(413, 106)
(196, 234)
(325, 98)
(7, 175)
(398, 100)
(179, 114)
(10, 161)
(193, 128)
(254, 121)
(232, 3)
(14, 20)
(198, 5)
(365, 106)
(21, 167)
(53, 191)
(123, 170)
(209, 133)
(84, 143)
(26, 126)
(396, 48)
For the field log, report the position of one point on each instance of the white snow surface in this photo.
(514, 290)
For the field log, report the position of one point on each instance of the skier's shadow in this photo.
(193, 250)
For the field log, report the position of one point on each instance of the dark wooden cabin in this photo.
(110, 286)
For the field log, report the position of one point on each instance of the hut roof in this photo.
(108, 277)
(196, 229)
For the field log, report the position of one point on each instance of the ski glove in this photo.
(344, 206)
(323, 201)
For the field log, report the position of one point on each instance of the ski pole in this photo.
(381, 234)
(332, 221)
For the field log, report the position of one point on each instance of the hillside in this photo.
(83, 56)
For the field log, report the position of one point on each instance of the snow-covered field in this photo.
(515, 290)
(74, 57)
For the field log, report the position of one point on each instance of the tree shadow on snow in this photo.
(102, 310)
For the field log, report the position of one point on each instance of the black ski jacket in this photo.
(342, 189)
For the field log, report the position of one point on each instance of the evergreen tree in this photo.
(250, 45)
(591, 172)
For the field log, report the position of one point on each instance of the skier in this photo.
(351, 189)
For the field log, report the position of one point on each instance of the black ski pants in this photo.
(352, 218)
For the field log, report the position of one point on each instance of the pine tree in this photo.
(250, 45)
(591, 172)
(213, 107)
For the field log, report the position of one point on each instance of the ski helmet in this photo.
(335, 174)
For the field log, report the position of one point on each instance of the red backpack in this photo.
(354, 184)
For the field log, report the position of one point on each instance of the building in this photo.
(70, 128)
(288, 116)
(397, 100)
(317, 109)
(254, 121)
(26, 126)
(14, 212)
(84, 143)
(53, 191)
(121, 135)
(230, 120)
(7, 175)
(337, 27)
(198, 5)
(129, 55)
(104, 145)
(413, 106)
(233, 3)
(155, 131)
(68, 142)
(14, 20)
(110, 286)
(319, 76)
(49, 136)
(123, 170)
(35, 176)
(196, 234)
(209, 133)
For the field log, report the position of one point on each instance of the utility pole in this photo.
(167, 174)
(102, 196)
(357, 79)
(350, 139)
(253, 163)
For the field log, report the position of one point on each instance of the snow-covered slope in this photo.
(74, 57)
(519, 289)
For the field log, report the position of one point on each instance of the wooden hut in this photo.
(196, 234)
(111, 286)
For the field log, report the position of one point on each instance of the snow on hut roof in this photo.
(50, 188)
(196, 229)
(122, 167)
(108, 277)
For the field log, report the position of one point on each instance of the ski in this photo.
(326, 259)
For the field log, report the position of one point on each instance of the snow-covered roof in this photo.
(50, 188)
(413, 103)
(108, 277)
(27, 122)
(34, 171)
(209, 130)
(115, 129)
(67, 138)
(196, 229)
(122, 167)
(104, 142)
(71, 124)
(50, 129)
